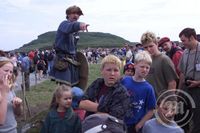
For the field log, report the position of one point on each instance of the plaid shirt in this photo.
(115, 102)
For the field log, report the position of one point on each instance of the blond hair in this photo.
(143, 56)
(148, 37)
(111, 59)
(4, 61)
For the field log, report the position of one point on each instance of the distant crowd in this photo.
(131, 103)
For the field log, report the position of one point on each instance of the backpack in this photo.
(103, 123)
(35, 59)
(25, 64)
(32, 67)
(50, 57)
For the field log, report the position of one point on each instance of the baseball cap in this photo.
(129, 65)
(163, 40)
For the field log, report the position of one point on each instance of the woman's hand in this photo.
(17, 102)
(4, 83)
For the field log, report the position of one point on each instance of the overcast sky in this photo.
(21, 21)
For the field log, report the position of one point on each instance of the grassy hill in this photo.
(87, 39)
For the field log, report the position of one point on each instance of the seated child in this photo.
(61, 118)
(165, 112)
(106, 94)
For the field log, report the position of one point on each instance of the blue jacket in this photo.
(25, 64)
(67, 37)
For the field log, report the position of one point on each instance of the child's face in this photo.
(167, 111)
(65, 100)
(111, 74)
(142, 69)
(151, 47)
(129, 72)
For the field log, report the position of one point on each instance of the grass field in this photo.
(39, 98)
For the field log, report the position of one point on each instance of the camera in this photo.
(186, 80)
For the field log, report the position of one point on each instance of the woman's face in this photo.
(7, 70)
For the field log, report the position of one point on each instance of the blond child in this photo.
(141, 93)
(106, 94)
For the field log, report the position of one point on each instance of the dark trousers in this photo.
(196, 121)
(131, 129)
(195, 94)
(27, 80)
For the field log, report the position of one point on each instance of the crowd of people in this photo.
(142, 100)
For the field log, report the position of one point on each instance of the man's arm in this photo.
(88, 105)
(194, 83)
(171, 85)
(181, 80)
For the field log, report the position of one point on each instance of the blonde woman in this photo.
(10, 105)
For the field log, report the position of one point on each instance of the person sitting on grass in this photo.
(61, 118)
(106, 94)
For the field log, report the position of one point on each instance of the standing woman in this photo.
(10, 105)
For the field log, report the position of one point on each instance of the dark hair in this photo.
(128, 66)
(58, 94)
(188, 32)
(169, 95)
(2, 53)
(74, 9)
(198, 37)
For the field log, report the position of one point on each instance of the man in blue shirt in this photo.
(65, 68)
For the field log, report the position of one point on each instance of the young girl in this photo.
(61, 118)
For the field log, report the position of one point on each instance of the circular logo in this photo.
(175, 105)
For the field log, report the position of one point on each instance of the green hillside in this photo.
(87, 39)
